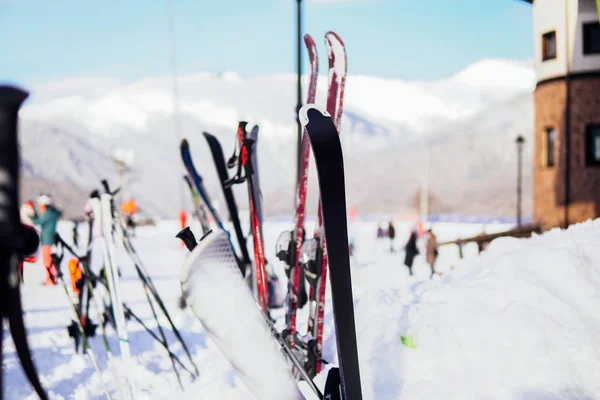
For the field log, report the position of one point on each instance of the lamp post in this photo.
(299, 86)
(520, 141)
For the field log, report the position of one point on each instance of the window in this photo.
(591, 38)
(592, 145)
(550, 145)
(549, 46)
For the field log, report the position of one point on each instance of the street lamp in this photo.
(520, 141)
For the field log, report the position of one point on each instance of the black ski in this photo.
(186, 157)
(219, 159)
(15, 240)
(327, 151)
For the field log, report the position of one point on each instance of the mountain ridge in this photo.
(386, 122)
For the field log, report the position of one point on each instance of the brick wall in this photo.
(549, 182)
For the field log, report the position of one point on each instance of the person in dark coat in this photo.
(411, 250)
(391, 235)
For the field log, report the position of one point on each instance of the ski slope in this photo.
(519, 322)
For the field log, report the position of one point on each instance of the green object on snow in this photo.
(408, 341)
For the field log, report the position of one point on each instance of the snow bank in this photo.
(521, 322)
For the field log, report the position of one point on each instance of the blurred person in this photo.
(47, 220)
(431, 250)
(129, 209)
(411, 250)
(380, 232)
(27, 211)
(391, 234)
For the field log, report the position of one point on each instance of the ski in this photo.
(335, 96)
(327, 151)
(102, 208)
(246, 161)
(119, 230)
(57, 258)
(81, 289)
(14, 242)
(198, 208)
(219, 160)
(289, 244)
(210, 271)
(111, 270)
(186, 157)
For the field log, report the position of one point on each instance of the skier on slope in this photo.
(47, 220)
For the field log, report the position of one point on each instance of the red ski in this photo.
(289, 244)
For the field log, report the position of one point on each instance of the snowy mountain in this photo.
(72, 128)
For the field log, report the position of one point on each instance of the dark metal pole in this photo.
(299, 86)
(520, 140)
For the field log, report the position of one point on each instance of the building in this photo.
(566, 156)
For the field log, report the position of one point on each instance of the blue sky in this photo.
(43, 40)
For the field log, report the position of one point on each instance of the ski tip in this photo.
(12, 95)
(207, 135)
(303, 113)
(308, 40)
(184, 143)
(331, 35)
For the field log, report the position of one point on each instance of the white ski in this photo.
(218, 295)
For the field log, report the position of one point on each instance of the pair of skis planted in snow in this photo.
(211, 269)
(308, 258)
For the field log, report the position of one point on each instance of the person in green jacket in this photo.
(47, 220)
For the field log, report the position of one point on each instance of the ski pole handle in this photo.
(11, 99)
(187, 236)
(104, 183)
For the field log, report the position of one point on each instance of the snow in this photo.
(518, 322)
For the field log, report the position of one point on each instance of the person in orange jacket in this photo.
(129, 209)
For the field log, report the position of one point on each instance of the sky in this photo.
(45, 40)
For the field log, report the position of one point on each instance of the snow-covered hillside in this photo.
(72, 127)
(519, 322)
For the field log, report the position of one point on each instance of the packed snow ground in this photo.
(519, 322)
